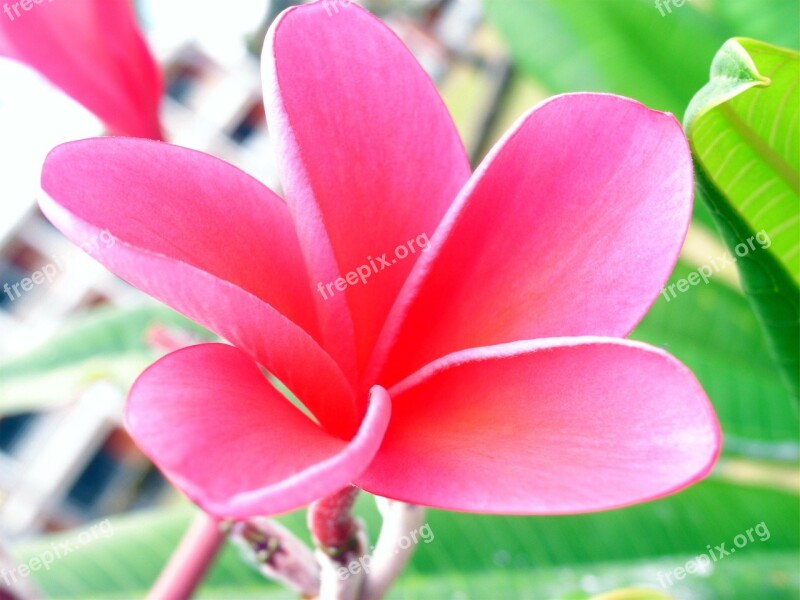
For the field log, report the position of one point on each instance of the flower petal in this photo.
(94, 51)
(210, 241)
(570, 227)
(215, 425)
(368, 154)
(188, 206)
(545, 427)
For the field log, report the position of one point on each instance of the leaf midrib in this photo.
(776, 162)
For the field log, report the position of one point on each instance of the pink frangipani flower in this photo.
(94, 52)
(486, 374)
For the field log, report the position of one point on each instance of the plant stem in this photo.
(331, 521)
(390, 556)
(278, 554)
(190, 561)
(341, 540)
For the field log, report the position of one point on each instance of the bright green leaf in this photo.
(744, 129)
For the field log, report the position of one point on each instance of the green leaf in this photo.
(109, 344)
(711, 329)
(681, 525)
(126, 562)
(507, 557)
(632, 594)
(770, 575)
(620, 46)
(745, 135)
(773, 21)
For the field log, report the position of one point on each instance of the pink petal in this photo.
(546, 427)
(570, 227)
(213, 423)
(94, 51)
(206, 239)
(188, 206)
(369, 157)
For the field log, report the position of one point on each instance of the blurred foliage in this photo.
(109, 344)
(629, 47)
(772, 21)
(620, 46)
(487, 556)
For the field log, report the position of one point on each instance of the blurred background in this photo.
(71, 347)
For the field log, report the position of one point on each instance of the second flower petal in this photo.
(223, 434)
(549, 426)
(368, 153)
(208, 240)
(570, 227)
